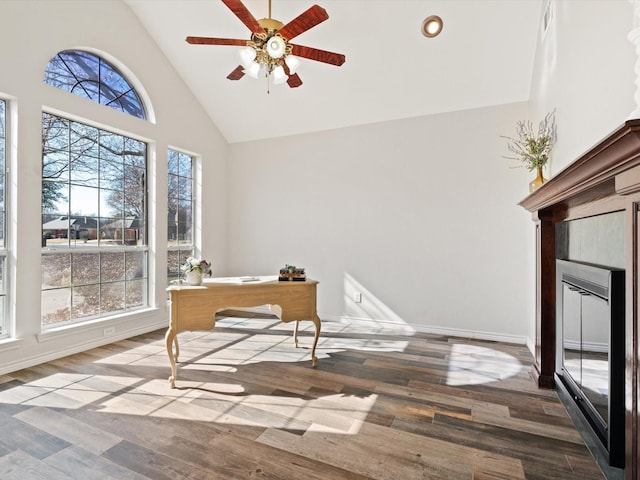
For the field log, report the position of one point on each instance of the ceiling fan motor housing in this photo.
(274, 44)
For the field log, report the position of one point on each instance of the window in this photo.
(180, 211)
(3, 252)
(89, 76)
(93, 222)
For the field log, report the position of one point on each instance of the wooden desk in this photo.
(194, 308)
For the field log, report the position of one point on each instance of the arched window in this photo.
(94, 200)
(89, 76)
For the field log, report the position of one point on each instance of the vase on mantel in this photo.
(538, 181)
(193, 278)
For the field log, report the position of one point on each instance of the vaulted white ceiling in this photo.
(484, 56)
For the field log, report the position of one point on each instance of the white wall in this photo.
(584, 69)
(419, 215)
(32, 32)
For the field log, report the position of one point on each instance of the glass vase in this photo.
(538, 181)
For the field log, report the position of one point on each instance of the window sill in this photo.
(107, 327)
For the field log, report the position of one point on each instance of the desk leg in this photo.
(316, 322)
(295, 333)
(172, 339)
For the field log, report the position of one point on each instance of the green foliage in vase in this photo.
(533, 148)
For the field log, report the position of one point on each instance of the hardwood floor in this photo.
(380, 405)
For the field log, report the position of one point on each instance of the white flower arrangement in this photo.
(197, 265)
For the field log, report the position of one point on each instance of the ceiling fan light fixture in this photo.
(276, 46)
(278, 75)
(432, 26)
(247, 56)
(253, 70)
(293, 63)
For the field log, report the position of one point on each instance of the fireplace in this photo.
(591, 349)
(604, 179)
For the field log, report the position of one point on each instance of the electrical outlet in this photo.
(109, 331)
(357, 297)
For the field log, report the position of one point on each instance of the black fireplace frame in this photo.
(607, 284)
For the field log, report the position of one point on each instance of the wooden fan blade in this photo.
(245, 16)
(318, 55)
(215, 41)
(303, 22)
(237, 73)
(294, 80)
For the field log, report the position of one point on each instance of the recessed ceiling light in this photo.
(432, 26)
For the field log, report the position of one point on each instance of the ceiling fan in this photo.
(269, 49)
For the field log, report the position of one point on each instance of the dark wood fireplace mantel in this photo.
(605, 179)
(592, 176)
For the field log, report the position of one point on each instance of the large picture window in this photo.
(94, 260)
(180, 211)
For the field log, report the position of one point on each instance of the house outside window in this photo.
(180, 212)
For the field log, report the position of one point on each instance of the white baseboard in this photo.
(385, 326)
(531, 345)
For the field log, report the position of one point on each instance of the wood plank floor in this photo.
(382, 404)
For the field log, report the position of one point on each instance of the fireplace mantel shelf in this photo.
(605, 179)
(592, 176)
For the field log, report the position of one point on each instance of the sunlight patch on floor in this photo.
(363, 344)
(475, 364)
(226, 404)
